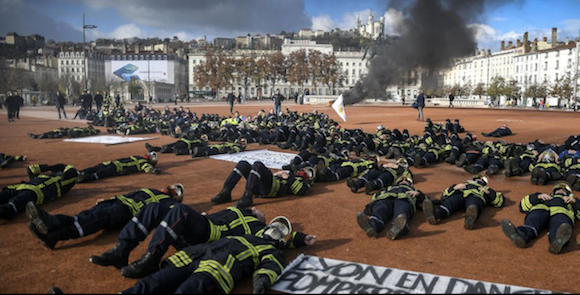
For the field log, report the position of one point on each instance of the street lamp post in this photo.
(576, 73)
(85, 51)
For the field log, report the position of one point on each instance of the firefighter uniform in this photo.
(117, 167)
(395, 204)
(260, 181)
(7, 160)
(217, 149)
(40, 189)
(455, 200)
(215, 267)
(114, 212)
(554, 214)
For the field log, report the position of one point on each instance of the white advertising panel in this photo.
(153, 70)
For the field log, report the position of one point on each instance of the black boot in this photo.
(118, 257)
(352, 184)
(46, 240)
(246, 200)
(372, 186)
(223, 197)
(451, 159)
(6, 163)
(143, 267)
(41, 220)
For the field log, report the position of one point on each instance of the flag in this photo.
(338, 107)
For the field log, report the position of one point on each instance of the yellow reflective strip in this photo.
(273, 258)
(526, 204)
(561, 210)
(250, 247)
(272, 275)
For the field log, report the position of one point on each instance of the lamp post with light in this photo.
(85, 51)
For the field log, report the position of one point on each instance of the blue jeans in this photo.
(420, 115)
(278, 109)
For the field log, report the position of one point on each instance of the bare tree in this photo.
(259, 74)
(496, 89)
(244, 67)
(315, 64)
(298, 69)
(276, 70)
(331, 73)
(479, 90)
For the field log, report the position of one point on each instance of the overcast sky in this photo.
(192, 19)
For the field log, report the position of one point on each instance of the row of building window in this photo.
(139, 57)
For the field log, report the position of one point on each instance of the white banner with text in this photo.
(317, 275)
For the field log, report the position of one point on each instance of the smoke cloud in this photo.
(431, 34)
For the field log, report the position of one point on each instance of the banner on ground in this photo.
(317, 275)
(338, 107)
(107, 139)
(271, 159)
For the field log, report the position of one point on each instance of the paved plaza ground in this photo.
(483, 253)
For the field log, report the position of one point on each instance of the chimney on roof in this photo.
(567, 40)
(124, 47)
(545, 39)
(137, 48)
(554, 37)
(510, 44)
(519, 43)
(489, 52)
(166, 47)
(526, 43)
(535, 45)
(502, 45)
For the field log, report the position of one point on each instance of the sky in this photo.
(62, 20)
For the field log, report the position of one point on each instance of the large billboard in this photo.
(153, 70)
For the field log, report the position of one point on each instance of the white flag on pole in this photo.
(338, 107)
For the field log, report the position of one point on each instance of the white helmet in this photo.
(178, 190)
(152, 157)
(380, 127)
(279, 229)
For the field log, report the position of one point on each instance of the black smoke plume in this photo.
(431, 35)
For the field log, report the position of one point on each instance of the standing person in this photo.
(230, 99)
(88, 100)
(60, 103)
(420, 105)
(98, 101)
(451, 98)
(117, 100)
(9, 102)
(107, 101)
(278, 102)
(403, 98)
(18, 102)
(33, 99)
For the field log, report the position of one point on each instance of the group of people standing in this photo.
(13, 103)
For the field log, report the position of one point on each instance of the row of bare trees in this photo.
(561, 88)
(222, 70)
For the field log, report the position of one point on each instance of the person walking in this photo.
(60, 103)
(451, 98)
(18, 102)
(420, 105)
(98, 101)
(9, 102)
